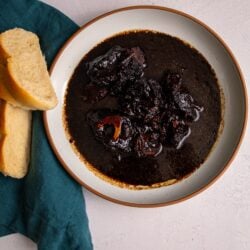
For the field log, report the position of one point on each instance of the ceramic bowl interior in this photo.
(204, 40)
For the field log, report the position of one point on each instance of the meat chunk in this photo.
(178, 133)
(103, 70)
(115, 68)
(185, 103)
(131, 67)
(114, 131)
(148, 145)
(142, 100)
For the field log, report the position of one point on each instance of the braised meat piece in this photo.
(131, 67)
(129, 70)
(117, 67)
(147, 145)
(103, 70)
(185, 103)
(113, 130)
(180, 100)
(178, 131)
(142, 100)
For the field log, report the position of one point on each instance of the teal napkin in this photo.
(47, 205)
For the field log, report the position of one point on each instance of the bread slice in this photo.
(15, 138)
(26, 70)
(4, 92)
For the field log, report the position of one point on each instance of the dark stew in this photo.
(143, 107)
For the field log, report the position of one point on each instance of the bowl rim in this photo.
(226, 165)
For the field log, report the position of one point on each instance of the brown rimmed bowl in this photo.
(206, 41)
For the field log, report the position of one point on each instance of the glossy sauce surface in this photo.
(162, 52)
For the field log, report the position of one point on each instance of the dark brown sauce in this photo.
(162, 52)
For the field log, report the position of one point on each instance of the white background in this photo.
(219, 218)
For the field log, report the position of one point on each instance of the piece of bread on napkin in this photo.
(5, 92)
(15, 139)
(25, 69)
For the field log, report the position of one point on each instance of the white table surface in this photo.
(218, 218)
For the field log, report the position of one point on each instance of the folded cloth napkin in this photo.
(47, 205)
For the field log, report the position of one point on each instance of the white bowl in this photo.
(188, 29)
